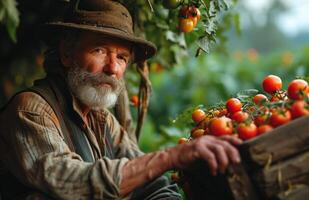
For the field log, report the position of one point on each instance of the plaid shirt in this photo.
(33, 149)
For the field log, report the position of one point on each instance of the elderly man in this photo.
(59, 140)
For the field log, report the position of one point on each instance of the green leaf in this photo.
(10, 13)
(2, 12)
(224, 4)
(211, 25)
(176, 38)
(205, 43)
(236, 19)
(212, 9)
(247, 93)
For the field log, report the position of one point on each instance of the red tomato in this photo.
(220, 126)
(247, 131)
(240, 116)
(182, 140)
(261, 119)
(197, 133)
(280, 116)
(259, 99)
(175, 177)
(186, 25)
(264, 128)
(299, 108)
(233, 105)
(298, 89)
(134, 100)
(198, 115)
(272, 83)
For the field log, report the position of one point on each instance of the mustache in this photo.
(96, 79)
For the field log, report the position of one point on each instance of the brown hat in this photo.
(107, 17)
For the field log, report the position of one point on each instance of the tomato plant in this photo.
(259, 99)
(134, 100)
(186, 25)
(240, 116)
(298, 89)
(233, 105)
(219, 126)
(247, 131)
(172, 4)
(299, 108)
(198, 115)
(264, 128)
(197, 133)
(280, 116)
(271, 84)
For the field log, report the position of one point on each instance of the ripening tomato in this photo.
(134, 100)
(197, 133)
(280, 116)
(299, 108)
(182, 140)
(175, 177)
(259, 99)
(264, 128)
(219, 126)
(198, 115)
(261, 118)
(247, 131)
(240, 116)
(186, 25)
(197, 13)
(171, 4)
(233, 105)
(297, 89)
(194, 20)
(272, 83)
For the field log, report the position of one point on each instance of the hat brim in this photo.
(143, 49)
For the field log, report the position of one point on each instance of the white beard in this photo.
(88, 88)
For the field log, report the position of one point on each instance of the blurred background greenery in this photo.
(268, 37)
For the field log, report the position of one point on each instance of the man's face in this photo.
(96, 69)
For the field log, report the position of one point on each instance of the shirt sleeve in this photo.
(125, 146)
(37, 155)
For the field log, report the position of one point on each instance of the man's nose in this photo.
(111, 65)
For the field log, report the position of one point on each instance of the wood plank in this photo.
(280, 143)
(240, 183)
(298, 193)
(233, 185)
(280, 177)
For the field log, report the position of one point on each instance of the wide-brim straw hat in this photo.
(108, 17)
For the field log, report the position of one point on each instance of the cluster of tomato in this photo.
(189, 14)
(255, 115)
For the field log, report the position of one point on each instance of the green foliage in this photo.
(9, 16)
(211, 80)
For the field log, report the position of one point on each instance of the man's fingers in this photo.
(233, 139)
(221, 156)
(210, 158)
(230, 151)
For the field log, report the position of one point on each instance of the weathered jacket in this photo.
(33, 149)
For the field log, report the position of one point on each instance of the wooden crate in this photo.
(274, 166)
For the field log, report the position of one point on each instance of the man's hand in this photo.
(217, 152)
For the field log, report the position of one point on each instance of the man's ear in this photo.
(65, 57)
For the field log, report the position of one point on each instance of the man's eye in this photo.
(99, 51)
(124, 58)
